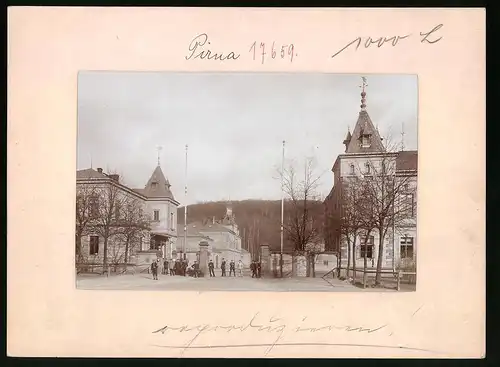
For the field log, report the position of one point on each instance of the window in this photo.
(156, 215)
(367, 168)
(155, 244)
(154, 185)
(93, 206)
(352, 169)
(409, 206)
(368, 248)
(365, 141)
(406, 247)
(94, 245)
(172, 221)
(325, 262)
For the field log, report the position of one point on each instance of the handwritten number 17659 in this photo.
(261, 51)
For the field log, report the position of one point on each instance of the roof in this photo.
(364, 126)
(191, 232)
(348, 137)
(407, 160)
(209, 227)
(89, 173)
(157, 186)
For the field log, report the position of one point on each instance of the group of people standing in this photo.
(223, 264)
(174, 267)
(181, 267)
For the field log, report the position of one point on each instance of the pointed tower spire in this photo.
(158, 185)
(347, 139)
(365, 137)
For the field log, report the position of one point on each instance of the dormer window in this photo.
(154, 185)
(365, 141)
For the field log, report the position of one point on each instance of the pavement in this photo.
(224, 284)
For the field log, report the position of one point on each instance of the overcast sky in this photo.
(234, 125)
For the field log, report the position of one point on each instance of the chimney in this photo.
(99, 170)
(115, 177)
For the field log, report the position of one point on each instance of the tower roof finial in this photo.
(159, 148)
(363, 94)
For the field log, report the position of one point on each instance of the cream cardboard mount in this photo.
(48, 316)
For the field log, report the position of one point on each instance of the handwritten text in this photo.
(261, 51)
(429, 37)
(197, 50)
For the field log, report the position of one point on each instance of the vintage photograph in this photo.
(274, 182)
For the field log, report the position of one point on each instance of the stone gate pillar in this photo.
(204, 257)
(265, 260)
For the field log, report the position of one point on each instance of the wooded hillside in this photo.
(257, 220)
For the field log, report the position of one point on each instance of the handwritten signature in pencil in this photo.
(272, 326)
(429, 37)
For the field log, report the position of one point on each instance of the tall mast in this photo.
(185, 204)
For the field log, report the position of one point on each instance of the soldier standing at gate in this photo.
(154, 269)
(211, 268)
(232, 268)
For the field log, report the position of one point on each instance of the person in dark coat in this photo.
(211, 268)
(223, 267)
(232, 268)
(185, 265)
(154, 270)
(253, 268)
(196, 269)
(165, 267)
(258, 269)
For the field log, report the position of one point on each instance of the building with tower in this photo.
(366, 157)
(135, 225)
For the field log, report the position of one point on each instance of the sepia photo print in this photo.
(246, 182)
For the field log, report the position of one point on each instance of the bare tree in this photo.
(104, 211)
(134, 223)
(386, 205)
(352, 219)
(86, 196)
(300, 189)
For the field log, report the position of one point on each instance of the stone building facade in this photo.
(223, 237)
(148, 214)
(366, 156)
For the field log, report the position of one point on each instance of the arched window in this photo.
(352, 168)
(367, 168)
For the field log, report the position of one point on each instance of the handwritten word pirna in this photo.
(197, 50)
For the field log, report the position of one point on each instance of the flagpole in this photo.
(282, 206)
(185, 205)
